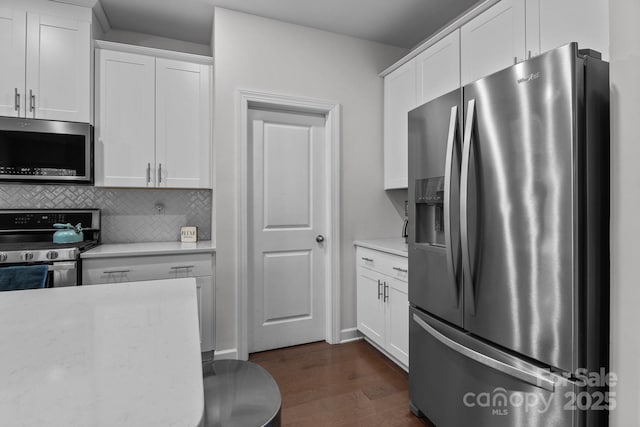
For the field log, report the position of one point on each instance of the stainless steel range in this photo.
(26, 238)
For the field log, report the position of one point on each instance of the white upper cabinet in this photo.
(493, 40)
(46, 71)
(183, 124)
(13, 24)
(58, 68)
(125, 119)
(439, 68)
(153, 120)
(553, 23)
(400, 96)
(434, 72)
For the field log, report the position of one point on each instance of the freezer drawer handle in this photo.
(533, 378)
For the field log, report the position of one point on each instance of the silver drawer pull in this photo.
(367, 259)
(402, 270)
(178, 267)
(115, 271)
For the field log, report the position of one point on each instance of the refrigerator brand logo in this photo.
(530, 77)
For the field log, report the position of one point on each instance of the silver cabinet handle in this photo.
(178, 267)
(401, 270)
(450, 170)
(32, 101)
(367, 259)
(464, 193)
(529, 55)
(515, 59)
(115, 271)
(159, 173)
(386, 292)
(17, 101)
(533, 378)
(379, 291)
(148, 173)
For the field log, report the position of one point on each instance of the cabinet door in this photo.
(125, 119)
(553, 23)
(400, 96)
(439, 68)
(13, 24)
(206, 312)
(397, 320)
(370, 305)
(493, 40)
(58, 69)
(183, 124)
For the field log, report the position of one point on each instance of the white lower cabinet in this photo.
(119, 269)
(383, 303)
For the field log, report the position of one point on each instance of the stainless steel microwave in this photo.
(36, 151)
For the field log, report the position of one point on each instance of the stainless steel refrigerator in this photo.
(508, 247)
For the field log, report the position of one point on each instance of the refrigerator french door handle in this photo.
(448, 172)
(464, 192)
(537, 379)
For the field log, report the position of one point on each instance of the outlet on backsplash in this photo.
(159, 207)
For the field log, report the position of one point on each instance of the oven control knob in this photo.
(27, 256)
(3, 257)
(52, 255)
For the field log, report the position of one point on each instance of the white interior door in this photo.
(13, 24)
(287, 214)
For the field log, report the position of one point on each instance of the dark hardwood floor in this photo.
(339, 385)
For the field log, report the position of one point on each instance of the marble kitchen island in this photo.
(125, 354)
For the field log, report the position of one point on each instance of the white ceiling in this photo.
(401, 23)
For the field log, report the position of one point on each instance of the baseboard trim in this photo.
(350, 334)
(231, 353)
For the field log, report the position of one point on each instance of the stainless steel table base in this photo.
(240, 394)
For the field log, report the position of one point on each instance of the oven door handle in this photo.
(58, 266)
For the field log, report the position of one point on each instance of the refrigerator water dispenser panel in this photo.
(429, 199)
(430, 191)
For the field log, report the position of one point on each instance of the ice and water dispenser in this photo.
(429, 201)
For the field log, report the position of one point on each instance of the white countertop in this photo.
(124, 354)
(148, 248)
(395, 245)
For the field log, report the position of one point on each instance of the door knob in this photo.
(319, 238)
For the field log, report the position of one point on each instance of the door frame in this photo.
(246, 99)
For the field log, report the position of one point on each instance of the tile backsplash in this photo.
(128, 215)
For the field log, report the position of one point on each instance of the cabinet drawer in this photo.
(392, 265)
(130, 269)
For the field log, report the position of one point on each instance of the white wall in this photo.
(625, 209)
(271, 56)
